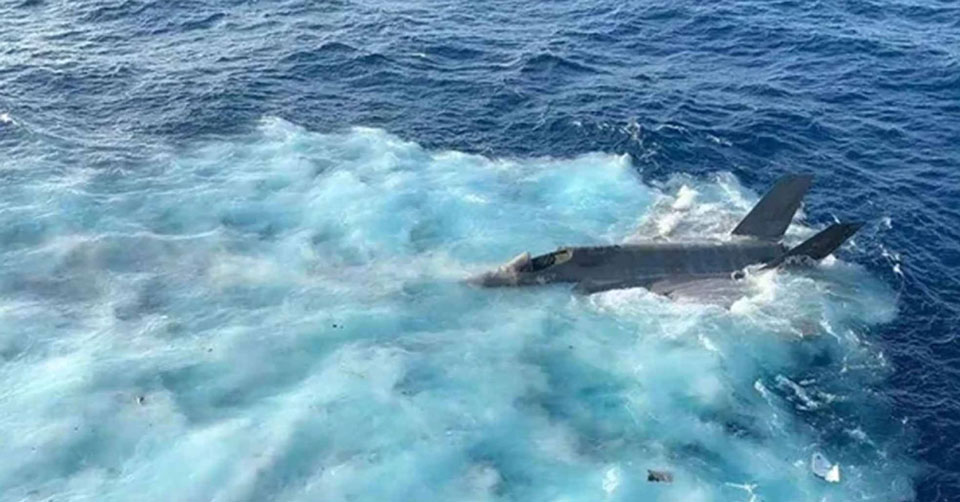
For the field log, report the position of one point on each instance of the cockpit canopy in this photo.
(525, 264)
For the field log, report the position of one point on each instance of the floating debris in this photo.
(659, 476)
(824, 469)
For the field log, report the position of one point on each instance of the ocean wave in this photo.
(111, 103)
(283, 316)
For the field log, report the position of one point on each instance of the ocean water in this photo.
(233, 237)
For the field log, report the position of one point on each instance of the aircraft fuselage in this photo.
(636, 264)
(667, 267)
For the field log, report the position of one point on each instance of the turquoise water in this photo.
(281, 316)
(232, 236)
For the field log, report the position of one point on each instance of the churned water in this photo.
(234, 236)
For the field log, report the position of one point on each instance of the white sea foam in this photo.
(281, 317)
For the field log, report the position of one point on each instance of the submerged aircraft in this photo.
(673, 268)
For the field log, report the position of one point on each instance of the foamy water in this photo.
(282, 317)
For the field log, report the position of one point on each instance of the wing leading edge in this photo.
(723, 291)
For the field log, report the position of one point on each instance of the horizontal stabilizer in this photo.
(771, 216)
(821, 245)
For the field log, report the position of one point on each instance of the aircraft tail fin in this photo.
(821, 245)
(771, 216)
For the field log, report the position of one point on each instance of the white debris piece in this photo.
(824, 469)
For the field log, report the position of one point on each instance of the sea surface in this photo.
(233, 234)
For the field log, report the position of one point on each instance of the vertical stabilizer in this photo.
(771, 216)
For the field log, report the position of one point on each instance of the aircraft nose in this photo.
(505, 275)
(490, 279)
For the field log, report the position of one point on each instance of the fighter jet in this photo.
(673, 268)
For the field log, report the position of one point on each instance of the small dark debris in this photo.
(209, 349)
(141, 400)
(659, 476)
(335, 326)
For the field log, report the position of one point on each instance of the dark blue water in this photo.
(163, 163)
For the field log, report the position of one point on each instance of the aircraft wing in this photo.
(722, 291)
(590, 287)
(714, 291)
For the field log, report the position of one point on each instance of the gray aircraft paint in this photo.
(667, 267)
